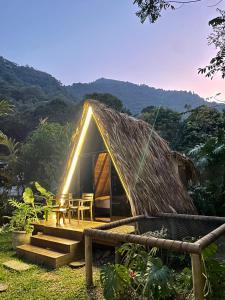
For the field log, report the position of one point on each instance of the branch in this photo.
(215, 3)
(185, 2)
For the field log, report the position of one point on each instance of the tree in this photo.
(152, 9)
(43, 156)
(108, 99)
(216, 38)
(165, 121)
(9, 149)
(202, 123)
(210, 159)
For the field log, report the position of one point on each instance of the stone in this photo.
(77, 264)
(16, 265)
(3, 287)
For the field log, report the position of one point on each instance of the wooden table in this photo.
(60, 212)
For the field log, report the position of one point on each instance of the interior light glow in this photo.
(113, 160)
(73, 164)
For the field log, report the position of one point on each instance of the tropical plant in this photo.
(116, 281)
(9, 147)
(143, 275)
(214, 271)
(5, 108)
(25, 212)
(48, 197)
(9, 156)
(210, 159)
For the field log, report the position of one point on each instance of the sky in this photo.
(83, 40)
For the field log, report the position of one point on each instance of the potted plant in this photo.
(24, 214)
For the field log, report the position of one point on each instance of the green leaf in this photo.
(28, 196)
(209, 251)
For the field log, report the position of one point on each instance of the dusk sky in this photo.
(83, 40)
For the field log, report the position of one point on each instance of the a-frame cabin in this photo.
(130, 170)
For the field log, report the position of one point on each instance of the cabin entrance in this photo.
(96, 174)
(102, 186)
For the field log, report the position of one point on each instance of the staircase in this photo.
(51, 249)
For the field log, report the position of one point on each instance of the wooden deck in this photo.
(74, 225)
(55, 246)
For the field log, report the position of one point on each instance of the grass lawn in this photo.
(41, 283)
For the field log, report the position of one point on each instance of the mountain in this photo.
(28, 88)
(135, 97)
(25, 86)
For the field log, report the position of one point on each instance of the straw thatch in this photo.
(143, 161)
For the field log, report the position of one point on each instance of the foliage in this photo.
(25, 212)
(143, 275)
(210, 158)
(216, 38)
(8, 157)
(165, 121)
(23, 85)
(183, 283)
(106, 98)
(135, 97)
(134, 256)
(151, 9)
(157, 280)
(48, 197)
(215, 273)
(201, 124)
(43, 156)
(5, 108)
(115, 280)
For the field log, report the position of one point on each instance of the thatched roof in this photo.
(143, 161)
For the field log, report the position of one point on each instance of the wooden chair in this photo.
(63, 207)
(86, 204)
(74, 203)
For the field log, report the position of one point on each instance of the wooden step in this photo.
(44, 256)
(55, 243)
(62, 232)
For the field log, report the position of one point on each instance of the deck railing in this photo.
(194, 249)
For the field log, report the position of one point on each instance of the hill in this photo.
(25, 86)
(135, 97)
(28, 88)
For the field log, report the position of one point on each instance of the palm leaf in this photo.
(5, 108)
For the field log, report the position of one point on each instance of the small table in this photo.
(60, 212)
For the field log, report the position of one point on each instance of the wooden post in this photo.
(88, 260)
(197, 276)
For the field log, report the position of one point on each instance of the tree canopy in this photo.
(165, 121)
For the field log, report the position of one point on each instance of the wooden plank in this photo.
(41, 251)
(53, 242)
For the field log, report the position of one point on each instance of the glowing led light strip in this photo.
(77, 152)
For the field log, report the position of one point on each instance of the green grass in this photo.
(40, 283)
